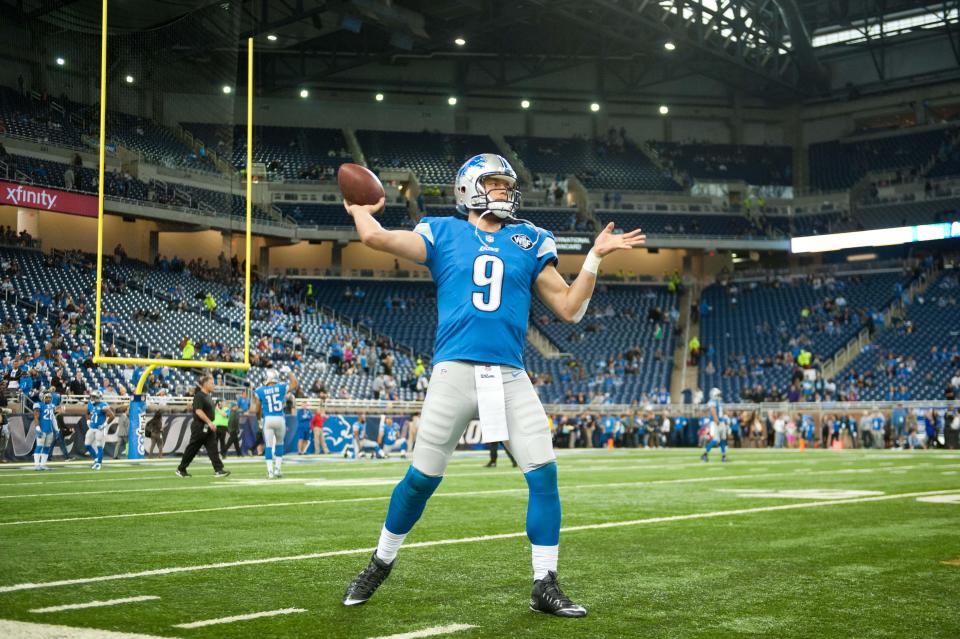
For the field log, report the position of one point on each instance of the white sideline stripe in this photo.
(252, 615)
(429, 632)
(95, 604)
(469, 493)
(462, 540)
(229, 484)
(30, 630)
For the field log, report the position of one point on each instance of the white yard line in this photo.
(48, 631)
(429, 632)
(252, 615)
(469, 493)
(95, 604)
(461, 540)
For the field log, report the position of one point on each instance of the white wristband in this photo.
(592, 263)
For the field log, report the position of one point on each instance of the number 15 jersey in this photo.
(483, 290)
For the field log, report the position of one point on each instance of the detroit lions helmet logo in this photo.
(522, 241)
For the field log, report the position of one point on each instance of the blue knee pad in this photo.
(409, 499)
(543, 506)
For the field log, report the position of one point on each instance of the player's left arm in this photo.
(569, 302)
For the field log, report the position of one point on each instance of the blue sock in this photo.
(543, 506)
(268, 453)
(403, 446)
(92, 452)
(99, 454)
(278, 451)
(723, 447)
(710, 445)
(408, 500)
(37, 449)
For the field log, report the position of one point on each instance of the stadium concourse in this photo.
(754, 412)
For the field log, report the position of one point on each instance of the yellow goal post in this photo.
(146, 361)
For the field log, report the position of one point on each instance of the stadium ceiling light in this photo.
(594, 107)
(304, 93)
(669, 46)
(378, 97)
(227, 89)
(129, 79)
(664, 109)
(524, 104)
(452, 101)
(272, 38)
(61, 61)
(460, 42)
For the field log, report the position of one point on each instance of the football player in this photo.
(268, 401)
(98, 412)
(485, 263)
(718, 426)
(45, 423)
(394, 437)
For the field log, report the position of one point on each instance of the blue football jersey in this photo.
(272, 398)
(483, 290)
(98, 415)
(716, 403)
(48, 416)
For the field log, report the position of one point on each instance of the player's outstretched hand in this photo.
(372, 209)
(607, 242)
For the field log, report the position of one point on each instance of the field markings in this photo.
(951, 562)
(95, 604)
(9, 628)
(463, 540)
(468, 493)
(234, 618)
(429, 632)
(245, 482)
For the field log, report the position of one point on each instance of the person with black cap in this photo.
(203, 433)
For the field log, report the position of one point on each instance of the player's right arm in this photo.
(405, 244)
(36, 419)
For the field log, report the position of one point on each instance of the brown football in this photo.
(358, 184)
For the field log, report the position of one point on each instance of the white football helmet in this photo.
(95, 395)
(715, 393)
(469, 188)
(271, 376)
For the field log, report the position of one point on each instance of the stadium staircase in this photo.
(543, 345)
(684, 376)
(354, 147)
(857, 344)
(526, 177)
(654, 157)
(187, 138)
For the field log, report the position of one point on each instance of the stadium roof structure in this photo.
(768, 49)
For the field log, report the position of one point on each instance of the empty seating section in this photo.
(290, 152)
(910, 213)
(760, 165)
(49, 173)
(621, 319)
(553, 220)
(902, 354)
(838, 165)
(597, 164)
(433, 157)
(676, 223)
(38, 120)
(46, 286)
(311, 214)
(158, 144)
(756, 329)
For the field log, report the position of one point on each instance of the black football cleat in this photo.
(366, 583)
(549, 599)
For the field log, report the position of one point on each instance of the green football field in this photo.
(776, 543)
